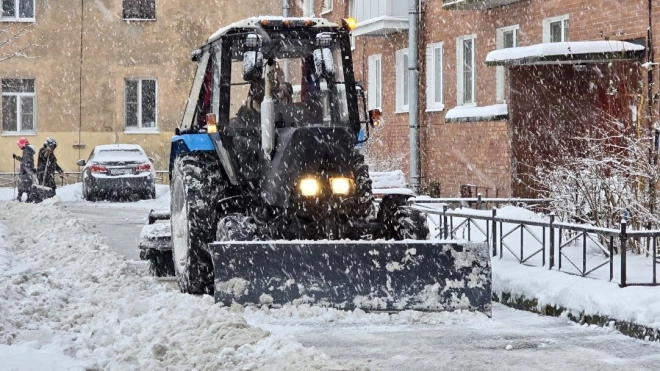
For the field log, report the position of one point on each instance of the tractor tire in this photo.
(196, 185)
(236, 227)
(409, 224)
(364, 198)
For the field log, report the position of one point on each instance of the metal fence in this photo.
(567, 247)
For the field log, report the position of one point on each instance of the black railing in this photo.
(552, 240)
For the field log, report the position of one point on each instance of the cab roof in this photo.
(255, 22)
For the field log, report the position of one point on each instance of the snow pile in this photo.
(85, 307)
(384, 182)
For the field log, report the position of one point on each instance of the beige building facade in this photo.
(104, 71)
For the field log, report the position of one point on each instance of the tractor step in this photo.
(370, 275)
(155, 236)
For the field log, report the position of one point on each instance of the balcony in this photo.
(380, 17)
(475, 4)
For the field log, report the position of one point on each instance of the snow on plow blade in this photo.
(390, 276)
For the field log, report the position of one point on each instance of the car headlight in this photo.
(340, 186)
(309, 187)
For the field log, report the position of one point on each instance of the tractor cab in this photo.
(269, 73)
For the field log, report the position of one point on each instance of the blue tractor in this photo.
(271, 200)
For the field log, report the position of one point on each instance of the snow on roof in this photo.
(608, 49)
(254, 22)
(118, 147)
(472, 113)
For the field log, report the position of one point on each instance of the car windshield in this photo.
(119, 155)
(302, 95)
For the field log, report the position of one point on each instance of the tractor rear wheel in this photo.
(196, 184)
(364, 198)
(410, 224)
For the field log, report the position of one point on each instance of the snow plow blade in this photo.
(373, 276)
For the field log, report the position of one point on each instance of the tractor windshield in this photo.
(304, 72)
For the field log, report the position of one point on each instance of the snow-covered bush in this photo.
(614, 178)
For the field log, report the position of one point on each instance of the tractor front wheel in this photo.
(196, 184)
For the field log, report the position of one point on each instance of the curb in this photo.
(532, 305)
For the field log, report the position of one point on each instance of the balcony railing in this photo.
(475, 4)
(380, 17)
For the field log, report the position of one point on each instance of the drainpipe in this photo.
(413, 90)
(653, 129)
(80, 81)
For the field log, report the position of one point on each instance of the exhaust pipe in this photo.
(268, 117)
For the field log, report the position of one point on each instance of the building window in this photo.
(555, 29)
(18, 106)
(402, 81)
(18, 10)
(327, 5)
(506, 37)
(140, 9)
(434, 77)
(375, 92)
(465, 70)
(140, 104)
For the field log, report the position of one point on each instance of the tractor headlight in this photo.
(340, 186)
(309, 187)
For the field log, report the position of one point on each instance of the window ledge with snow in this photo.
(495, 112)
(438, 108)
(142, 131)
(18, 133)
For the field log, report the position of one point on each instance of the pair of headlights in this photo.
(310, 187)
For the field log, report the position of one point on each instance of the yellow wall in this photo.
(81, 97)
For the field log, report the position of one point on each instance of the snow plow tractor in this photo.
(271, 200)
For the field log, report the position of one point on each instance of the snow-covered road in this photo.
(71, 300)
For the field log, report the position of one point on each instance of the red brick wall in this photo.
(481, 153)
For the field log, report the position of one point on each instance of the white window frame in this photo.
(19, 117)
(402, 77)
(500, 71)
(308, 8)
(140, 128)
(564, 30)
(432, 103)
(15, 17)
(375, 84)
(460, 101)
(327, 6)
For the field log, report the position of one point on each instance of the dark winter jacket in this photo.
(27, 171)
(46, 168)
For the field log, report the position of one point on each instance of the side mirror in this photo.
(150, 159)
(324, 63)
(81, 162)
(374, 117)
(253, 65)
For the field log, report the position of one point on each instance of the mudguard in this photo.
(370, 275)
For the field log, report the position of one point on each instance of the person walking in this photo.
(27, 171)
(47, 164)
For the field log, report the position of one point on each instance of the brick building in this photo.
(112, 71)
(488, 124)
